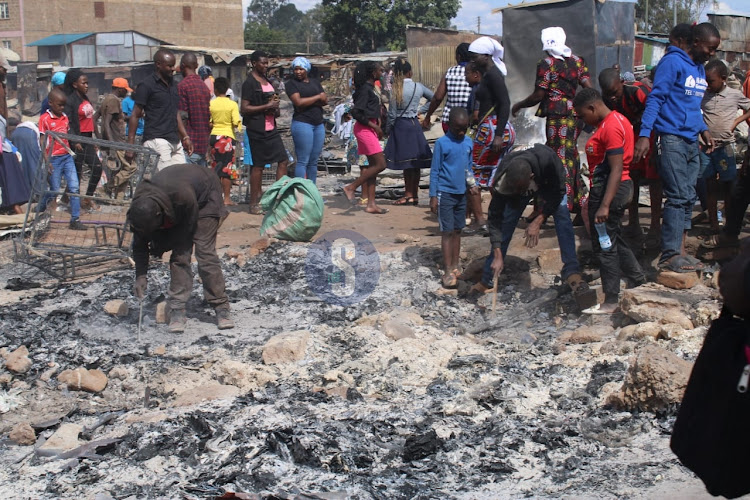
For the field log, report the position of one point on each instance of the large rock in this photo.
(655, 381)
(648, 304)
(678, 281)
(649, 329)
(286, 347)
(82, 379)
(207, 392)
(586, 334)
(395, 329)
(64, 439)
(117, 308)
(549, 261)
(18, 361)
(23, 434)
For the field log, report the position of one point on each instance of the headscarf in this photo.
(302, 62)
(204, 71)
(58, 78)
(491, 47)
(553, 42)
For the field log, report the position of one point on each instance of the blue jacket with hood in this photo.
(674, 104)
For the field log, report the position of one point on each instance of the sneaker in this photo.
(177, 321)
(77, 225)
(223, 320)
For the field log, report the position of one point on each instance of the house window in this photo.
(6, 44)
(4, 10)
(99, 10)
(187, 13)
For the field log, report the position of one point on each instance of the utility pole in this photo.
(645, 28)
(479, 24)
(674, 13)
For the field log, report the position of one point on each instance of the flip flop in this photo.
(379, 212)
(679, 264)
(597, 310)
(716, 241)
(352, 201)
(697, 262)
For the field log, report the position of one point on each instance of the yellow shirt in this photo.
(225, 116)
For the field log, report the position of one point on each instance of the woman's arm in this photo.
(435, 101)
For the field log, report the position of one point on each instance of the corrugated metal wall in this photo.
(430, 63)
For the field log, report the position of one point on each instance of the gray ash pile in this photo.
(389, 398)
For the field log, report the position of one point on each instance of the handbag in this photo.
(472, 131)
(710, 435)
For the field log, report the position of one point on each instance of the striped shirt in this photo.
(457, 90)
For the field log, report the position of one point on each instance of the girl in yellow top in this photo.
(225, 117)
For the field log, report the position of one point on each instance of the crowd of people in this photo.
(673, 131)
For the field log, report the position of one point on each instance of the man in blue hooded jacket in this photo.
(673, 110)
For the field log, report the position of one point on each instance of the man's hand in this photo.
(187, 145)
(474, 190)
(129, 155)
(708, 141)
(139, 290)
(532, 232)
(497, 263)
(78, 147)
(433, 204)
(602, 215)
(641, 148)
(515, 109)
(426, 124)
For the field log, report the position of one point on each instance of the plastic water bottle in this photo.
(720, 217)
(604, 240)
(470, 179)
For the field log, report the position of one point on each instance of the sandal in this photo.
(361, 202)
(380, 211)
(719, 241)
(680, 264)
(407, 201)
(256, 210)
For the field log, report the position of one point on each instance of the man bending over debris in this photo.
(179, 207)
(521, 176)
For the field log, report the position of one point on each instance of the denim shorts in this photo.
(451, 211)
(721, 161)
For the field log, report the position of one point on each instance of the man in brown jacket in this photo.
(181, 207)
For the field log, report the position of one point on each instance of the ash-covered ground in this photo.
(394, 396)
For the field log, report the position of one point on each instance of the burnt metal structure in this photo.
(602, 32)
(47, 243)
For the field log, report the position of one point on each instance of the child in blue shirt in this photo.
(450, 175)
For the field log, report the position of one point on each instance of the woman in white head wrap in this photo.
(494, 134)
(558, 76)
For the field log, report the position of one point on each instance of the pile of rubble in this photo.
(407, 394)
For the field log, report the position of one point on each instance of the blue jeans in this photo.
(308, 143)
(679, 165)
(509, 215)
(64, 167)
(196, 159)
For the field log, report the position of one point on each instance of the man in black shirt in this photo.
(181, 207)
(163, 130)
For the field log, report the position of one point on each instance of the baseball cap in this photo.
(121, 83)
(58, 78)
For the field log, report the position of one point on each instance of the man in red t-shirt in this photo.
(610, 153)
(62, 163)
(630, 101)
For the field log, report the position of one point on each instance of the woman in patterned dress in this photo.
(558, 76)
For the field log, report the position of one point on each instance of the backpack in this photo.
(294, 210)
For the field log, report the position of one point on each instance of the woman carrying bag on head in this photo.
(407, 149)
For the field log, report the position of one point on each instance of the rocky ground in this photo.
(411, 392)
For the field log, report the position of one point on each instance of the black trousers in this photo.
(88, 156)
(619, 260)
(740, 200)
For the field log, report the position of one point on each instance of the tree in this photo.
(278, 27)
(261, 11)
(661, 13)
(370, 25)
(258, 36)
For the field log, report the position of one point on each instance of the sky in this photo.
(492, 24)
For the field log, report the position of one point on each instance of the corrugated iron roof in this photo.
(540, 2)
(59, 39)
(218, 54)
(653, 39)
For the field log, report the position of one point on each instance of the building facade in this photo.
(181, 22)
